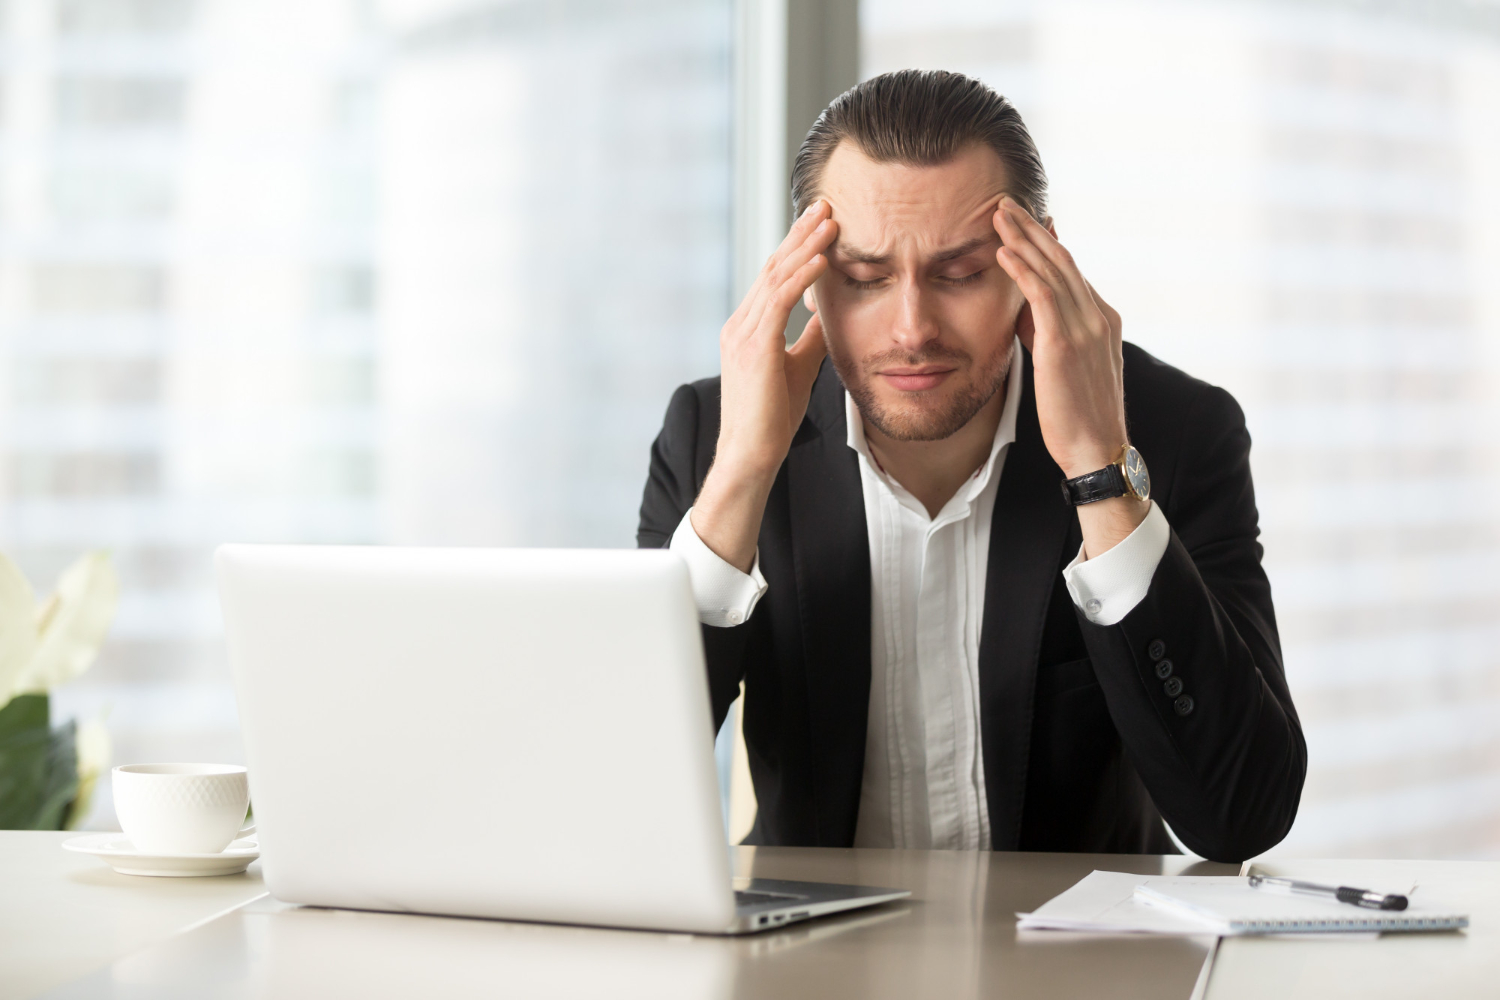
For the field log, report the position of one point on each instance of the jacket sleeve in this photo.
(1193, 674)
(680, 459)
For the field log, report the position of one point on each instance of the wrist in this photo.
(743, 469)
(727, 513)
(1092, 459)
(1107, 523)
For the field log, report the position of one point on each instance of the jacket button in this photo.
(1164, 670)
(1157, 649)
(1183, 705)
(1173, 687)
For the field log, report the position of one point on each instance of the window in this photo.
(1299, 203)
(327, 271)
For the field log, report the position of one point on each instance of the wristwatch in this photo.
(1126, 477)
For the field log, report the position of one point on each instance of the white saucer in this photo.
(117, 849)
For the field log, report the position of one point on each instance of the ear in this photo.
(810, 300)
(1051, 225)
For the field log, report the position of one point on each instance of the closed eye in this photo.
(873, 283)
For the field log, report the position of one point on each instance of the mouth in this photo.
(916, 379)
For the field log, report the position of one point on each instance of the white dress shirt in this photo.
(923, 783)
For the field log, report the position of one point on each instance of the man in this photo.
(939, 646)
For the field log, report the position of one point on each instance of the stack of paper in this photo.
(1104, 902)
(1118, 902)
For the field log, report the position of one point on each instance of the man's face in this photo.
(918, 316)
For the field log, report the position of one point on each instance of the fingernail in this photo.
(809, 209)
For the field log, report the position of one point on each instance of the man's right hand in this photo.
(764, 390)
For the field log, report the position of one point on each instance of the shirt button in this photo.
(1173, 687)
(1157, 649)
(1164, 670)
(1183, 705)
(1093, 606)
(735, 617)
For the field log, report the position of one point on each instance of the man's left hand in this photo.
(1074, 339)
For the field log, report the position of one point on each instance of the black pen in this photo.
(1342, 893)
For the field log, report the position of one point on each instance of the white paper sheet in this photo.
(1105, 903)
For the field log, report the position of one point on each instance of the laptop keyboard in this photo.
(744, 897)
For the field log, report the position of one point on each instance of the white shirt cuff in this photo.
(725, 596)
(1109, 586)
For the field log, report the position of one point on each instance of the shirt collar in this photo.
(1004, 434)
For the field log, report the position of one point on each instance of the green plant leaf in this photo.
(23, 715)
(62, 778)
(38, 766)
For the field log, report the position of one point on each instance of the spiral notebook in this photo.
(1228, 905)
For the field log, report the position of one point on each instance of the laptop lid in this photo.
(517, 733)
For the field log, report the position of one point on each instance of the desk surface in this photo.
(70, 925)
(956, 938)
(63, 914)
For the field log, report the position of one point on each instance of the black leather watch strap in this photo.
(1105, 484)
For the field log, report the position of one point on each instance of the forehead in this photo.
(895, 206)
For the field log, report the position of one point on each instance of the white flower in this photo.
(70, 627)
(93, 747)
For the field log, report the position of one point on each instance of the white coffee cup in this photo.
(181, 808)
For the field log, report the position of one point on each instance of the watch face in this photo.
(1136, 475)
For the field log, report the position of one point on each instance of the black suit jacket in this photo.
(1084, 749)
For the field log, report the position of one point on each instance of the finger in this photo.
(1014, 239)
(779, 305)
(1040, 295)
(813, 244)
(809, 220)
(750, 306)
(803, 360)
(1116, 325)
(776, 279)
(804, 357)
(773, 282)
(1057, 254)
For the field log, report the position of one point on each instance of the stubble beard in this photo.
(916, 423)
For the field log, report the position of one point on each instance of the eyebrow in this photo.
(854, 255)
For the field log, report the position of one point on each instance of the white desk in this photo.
(71, 928)
(63, 915)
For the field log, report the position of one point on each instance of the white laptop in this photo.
(513, 733)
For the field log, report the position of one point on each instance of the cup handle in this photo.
(248, 831)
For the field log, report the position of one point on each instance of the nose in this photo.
(914, 324)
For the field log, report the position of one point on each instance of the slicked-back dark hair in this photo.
(922, 118)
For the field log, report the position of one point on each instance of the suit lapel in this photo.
(831, 555)
(1031, 526)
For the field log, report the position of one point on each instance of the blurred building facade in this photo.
(186, 318)
(1301, 202)
(340, 272)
